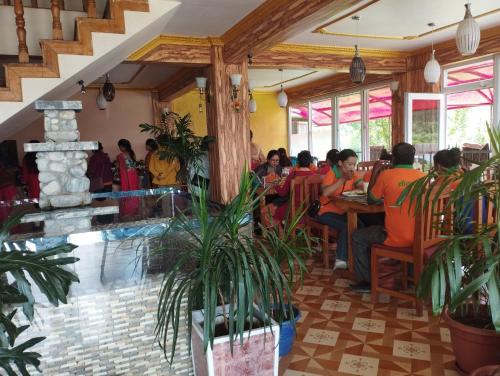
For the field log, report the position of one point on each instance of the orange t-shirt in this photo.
(330, 178)
(367, 176)
(399, 223)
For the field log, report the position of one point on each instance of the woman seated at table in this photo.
(340, 178)
(271, 170)
(284, 160)
(447, 163)
(331, 160)
(278, 209)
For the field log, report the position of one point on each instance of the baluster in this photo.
(62, 5)
(34, 3)
(57, 33)
(21, 31)
(91, 11)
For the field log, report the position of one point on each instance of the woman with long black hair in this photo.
(129, 178)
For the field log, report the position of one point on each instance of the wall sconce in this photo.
(83, 89)
(252, 104)
(108, 89)
(201, 84)
(235, 83)
(165, 110)
(395, 87)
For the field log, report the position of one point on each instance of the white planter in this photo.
(258, 356)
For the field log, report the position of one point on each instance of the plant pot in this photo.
(473, 347)
(287, 333)
(258, 356)
(487, 371)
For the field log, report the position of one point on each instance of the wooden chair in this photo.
(297, 198)
(426, 239)
(312, 191)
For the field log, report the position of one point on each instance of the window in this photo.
(360, 120)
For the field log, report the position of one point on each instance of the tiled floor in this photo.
(343, 333)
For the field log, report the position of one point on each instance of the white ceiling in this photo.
(396, 18)
(208, 17)
(270, 79)
(147, 76)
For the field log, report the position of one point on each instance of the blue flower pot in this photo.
(287, 333)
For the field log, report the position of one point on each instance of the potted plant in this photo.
(177, 141)
(236, 292)
(462, 278)
(45, 269)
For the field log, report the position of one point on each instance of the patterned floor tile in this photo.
(413, 350)
(335, 305)
(410, 314)
(359, 365)
(310, 290)
(369, 325)
(321, 337)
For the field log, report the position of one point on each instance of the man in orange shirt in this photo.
(399, 223)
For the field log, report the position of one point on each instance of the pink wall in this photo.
(121, 119)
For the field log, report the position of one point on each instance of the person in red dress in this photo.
(8, 190)
(129, 178)
(278, 209)
(30, 173)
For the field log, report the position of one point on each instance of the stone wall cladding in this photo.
(62, 173)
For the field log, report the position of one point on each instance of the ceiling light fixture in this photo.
(357, 69)
(468, 34)
(282, 97)
(235, 89)
(101, 101)
(83, 89)
(201, 84)
(252, 104)
(108, 89)
(432, 70)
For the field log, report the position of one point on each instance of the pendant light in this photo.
(432, 70)
(282, 98)
(252, 104)
(101, 101)
(108, 90)
(357, 69)
(468, 34)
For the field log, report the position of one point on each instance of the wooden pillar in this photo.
(21, 31)
(230, 152)
(411, 81)
(34, 3)
(57, 33)
(91, 10)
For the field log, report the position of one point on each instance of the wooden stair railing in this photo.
(49, 68)
(21, 32)
(57, 33)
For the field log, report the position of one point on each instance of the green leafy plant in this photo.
(45, 269)
(177, 141)
(464, 273)
(221, 264)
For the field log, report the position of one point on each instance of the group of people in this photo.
(386, 182)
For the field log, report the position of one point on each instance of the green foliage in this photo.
(177, 141)
(222, 265)
(45, 269)
(464, 274)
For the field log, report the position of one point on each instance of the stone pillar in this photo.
(61, 160)
(230, 126)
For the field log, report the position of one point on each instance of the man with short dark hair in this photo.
(399, 225)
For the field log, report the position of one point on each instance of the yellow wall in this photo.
(268, 123)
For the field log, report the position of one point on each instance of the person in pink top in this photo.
(129, 178)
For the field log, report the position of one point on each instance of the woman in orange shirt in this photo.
(340, 178)
(271, 170)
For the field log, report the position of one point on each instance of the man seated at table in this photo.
(399, 223)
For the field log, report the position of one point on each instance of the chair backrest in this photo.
(312, 188)
(297, 194)
(485, 211)
(433, 223)
(366, 166)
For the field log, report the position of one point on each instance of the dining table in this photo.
(353, 205)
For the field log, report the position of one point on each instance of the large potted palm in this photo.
(462, 278)
(177, 142)
(236, 292)
(46, 270)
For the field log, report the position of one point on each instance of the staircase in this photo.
(99, 45)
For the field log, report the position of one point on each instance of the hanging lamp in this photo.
(282, 97)
(101, 101)
(357, 69)
(108, 89)
(432, 70)
(252, 104)
(468, 34)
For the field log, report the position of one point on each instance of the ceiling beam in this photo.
(275, 21)
(323, 57)
(331, 84)
(179, 83)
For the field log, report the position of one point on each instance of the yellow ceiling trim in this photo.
(324, 30)
(174, 40)
(335, 50)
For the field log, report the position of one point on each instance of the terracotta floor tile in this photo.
(343, 333)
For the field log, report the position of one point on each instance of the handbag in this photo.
(313, 209)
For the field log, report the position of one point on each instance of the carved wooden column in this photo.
(91, 10)
(21, 31)
(57, 33)
(230, 152)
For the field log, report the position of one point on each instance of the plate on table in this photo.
(354, 193)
